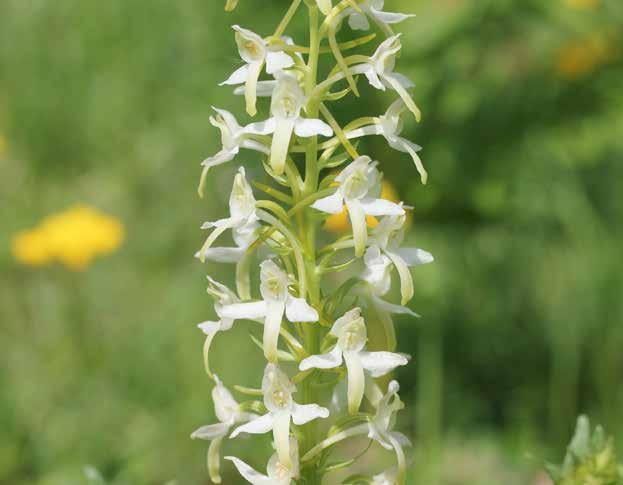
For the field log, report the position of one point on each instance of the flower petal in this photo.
(281, 143)
(251, 310)
(304, 413)
(406, 280)
(368, 130)
(221, 157)
(298, 310)
(381, 207)
(261, 127)
(272, 327)
(357, 217)
(333, 204)
(380, 363)
(397, 84)
(356, 380)
(214, 460)
(239, 76)
(210, 432)
(389, 17)
(306, 127)
(411, 148)
(392, 308)
(250, 87)
(358, 21)
(415, 256)
(249, 474)
(264, 89)
(330, 360)
(281, 437)
(222, 255)
(260, 425)
(277, 61)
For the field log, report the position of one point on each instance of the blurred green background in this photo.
(107, 104)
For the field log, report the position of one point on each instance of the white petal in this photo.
(381, 363)
(272, 327)
(260, 425)
(261, 127)
(209, 328)
(333, 204)
(281, 437)
(415, 256)
(306, 127)
(358, 21)
(392, 308)
(221, 157)
(210, 432)
(406, 280)
(381, 207)
(389, 17)
(264, 89)
(406, 146)
(255, 145)
(373, 79)
(357, 217)
(251, 310)
(404, 81)
(329, 360)
(365, 131)
(239, 76)
(356, 380)
(277, 61)
(223, 255)
(214, 460)
(250, 87)
(249, 474)
(298, 310)
(304, 413)
(281, 143)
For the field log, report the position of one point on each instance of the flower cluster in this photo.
(314, 326)
(74, 238)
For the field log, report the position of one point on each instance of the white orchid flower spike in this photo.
(277, 300)
(385, 242)
(286, 106)
(374, 10)
(350, 331)
(390, 125)
(256, 53)
(233, 137)
(379, 69)
(277, 472)
(222, 296)
(229, 413)
(324, 6)
(359, 187)
(282, 410)
(242, 220)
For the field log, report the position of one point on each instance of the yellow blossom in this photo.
(340, 223)
(74, 238)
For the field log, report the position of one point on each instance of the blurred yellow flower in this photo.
(583, 57)
(73, 237)
(340, 222)
(583, 4)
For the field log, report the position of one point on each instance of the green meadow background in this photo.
(107, 104)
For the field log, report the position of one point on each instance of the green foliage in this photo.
(590, 459)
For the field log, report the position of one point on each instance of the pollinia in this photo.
(317, 299)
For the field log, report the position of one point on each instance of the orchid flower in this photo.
(233, 137)
(374, 10)
(277, 472)
(390, 126)
(358, 188)
(379, 69)
(223, 296)
(350, 331)
(228, 412)
(277, 300)
(282, 410)
(385, 241)
(256, 53)
(242, 220)
(287, 103)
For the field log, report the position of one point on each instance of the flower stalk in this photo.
(321, 384)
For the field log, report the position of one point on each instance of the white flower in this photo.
(350, 331)
(324, 6)
(278, 389)
(233, 137)
(379, 69)
(287, 103)
(388, 477)
(359, 187)
(228, 412)
(374, 9)
(242, 220)
(277, 472)
(277, 300)
(256, 53)
(385, 241)
(390, 125)
(223, 296)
